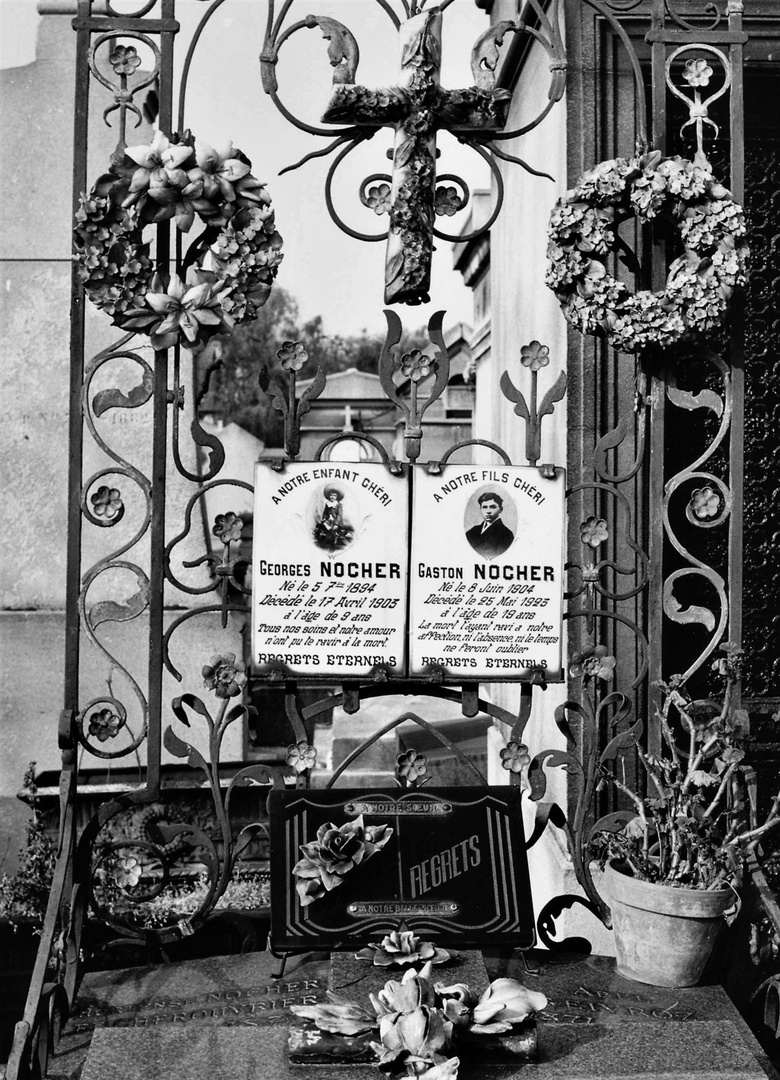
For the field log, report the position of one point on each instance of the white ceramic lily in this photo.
(504, 1003)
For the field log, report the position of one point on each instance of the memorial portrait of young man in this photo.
(490, 537)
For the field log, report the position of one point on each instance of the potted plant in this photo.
(673, 863)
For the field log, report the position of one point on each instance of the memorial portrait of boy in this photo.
(490, 537)
(331, 531)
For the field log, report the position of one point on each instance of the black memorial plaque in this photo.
(347, 866)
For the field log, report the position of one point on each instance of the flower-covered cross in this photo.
(416, 108)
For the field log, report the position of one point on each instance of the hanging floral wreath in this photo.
(583, 230)
(227, 272)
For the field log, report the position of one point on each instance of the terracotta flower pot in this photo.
(663, 935)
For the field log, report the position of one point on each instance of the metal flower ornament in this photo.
(594, 531)
(107, 504)
(105, 724)
(411, 769)
(227, 271)
(416, 109)
(228, 527)
(291, 356)
(593, 662)
(301, 757)
(515, 757)
(225, 676)
(533, 357)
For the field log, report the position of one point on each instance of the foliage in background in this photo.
(233, 390)
(248, 890)
(24, 895)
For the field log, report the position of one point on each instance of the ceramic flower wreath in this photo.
(583, 230)
(227, 272)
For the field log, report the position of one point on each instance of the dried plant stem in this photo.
(694, 819)
(721, 790)
(656, 781)
(695, 763)
(641, 810)
(652, 774)
(663, 716)
(772, 821)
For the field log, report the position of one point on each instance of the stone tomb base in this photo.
(597, 1026)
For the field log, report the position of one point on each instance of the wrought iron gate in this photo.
(649, 518)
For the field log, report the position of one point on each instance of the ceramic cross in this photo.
(417, 108)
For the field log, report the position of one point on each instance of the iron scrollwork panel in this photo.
(647, 517)
(113, 505)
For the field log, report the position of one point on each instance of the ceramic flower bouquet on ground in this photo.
(419, 1023)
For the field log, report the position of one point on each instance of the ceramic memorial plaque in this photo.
(329, 570)
(348, 866)
(486, 573)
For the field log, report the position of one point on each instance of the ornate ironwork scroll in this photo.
(702, 489)
(656, 513)
(118, 504)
